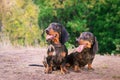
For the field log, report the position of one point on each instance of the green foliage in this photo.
(104, 20)
(102, 17)
(20, 19)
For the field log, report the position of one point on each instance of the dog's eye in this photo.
(57, 27)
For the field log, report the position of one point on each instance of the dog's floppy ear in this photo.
(64, 35)
(95, 46)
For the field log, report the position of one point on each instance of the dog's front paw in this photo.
(91, 69)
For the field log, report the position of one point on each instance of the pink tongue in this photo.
(49, 37)
(80, 48)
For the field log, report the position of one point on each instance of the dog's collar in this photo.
(57, 45)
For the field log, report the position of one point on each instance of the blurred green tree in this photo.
(103, 20)
(19, 20)
(98, 16)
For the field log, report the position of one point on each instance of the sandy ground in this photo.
(26, 64)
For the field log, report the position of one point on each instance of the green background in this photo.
(22, 22)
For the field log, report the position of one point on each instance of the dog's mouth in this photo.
(80, 48)
(86, 43)
(50, 37)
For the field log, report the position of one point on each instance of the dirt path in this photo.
(26, 64)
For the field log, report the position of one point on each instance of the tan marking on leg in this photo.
(90, 67)
(76, 68)
(63, 54)
(62, 69)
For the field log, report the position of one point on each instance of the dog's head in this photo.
(56, 33)
(89, 40)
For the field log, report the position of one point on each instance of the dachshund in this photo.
(84, 53)
(56, 36)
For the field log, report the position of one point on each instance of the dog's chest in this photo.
(58, 51)
(84, 55)
(58, 54)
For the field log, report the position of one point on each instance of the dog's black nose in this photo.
(47, 31)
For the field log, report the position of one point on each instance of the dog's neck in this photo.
(56, 43)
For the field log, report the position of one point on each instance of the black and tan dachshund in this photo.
(84, 53)
(56, 36)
